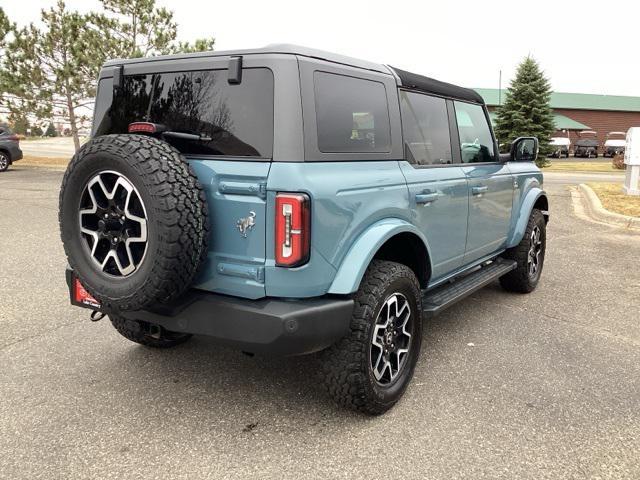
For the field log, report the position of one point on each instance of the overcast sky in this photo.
(583, 46)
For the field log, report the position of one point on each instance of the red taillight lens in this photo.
(142, 127)
(293, 229)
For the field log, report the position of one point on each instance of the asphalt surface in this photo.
(545, 385)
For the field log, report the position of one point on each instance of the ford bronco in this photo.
(288, 201)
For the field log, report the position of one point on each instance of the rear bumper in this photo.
(15, 154)
(268, 326)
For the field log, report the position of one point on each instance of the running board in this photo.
(436, 300)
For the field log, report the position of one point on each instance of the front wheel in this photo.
(370, 368)
(529, 255)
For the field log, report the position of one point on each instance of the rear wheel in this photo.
(4, 162)
(147, 334)
(370, 368)
(529, 255)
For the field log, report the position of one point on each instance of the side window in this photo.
(352, 114)
(425, 128)
(476, 143)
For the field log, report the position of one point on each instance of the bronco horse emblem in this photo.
(246, 224)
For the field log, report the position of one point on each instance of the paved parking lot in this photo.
(545, 385)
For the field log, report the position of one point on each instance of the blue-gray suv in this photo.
(288, 201)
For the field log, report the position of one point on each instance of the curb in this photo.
(597, 211)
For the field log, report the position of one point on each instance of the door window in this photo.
(476, 142)
(425, 128)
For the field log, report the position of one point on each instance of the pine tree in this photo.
(526, 111)
(52, 70)
(138, 28)
(51, 131)
(6, 27)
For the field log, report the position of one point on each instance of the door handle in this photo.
(479, 190)
(426, 198)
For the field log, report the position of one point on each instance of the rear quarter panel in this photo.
(346, 199)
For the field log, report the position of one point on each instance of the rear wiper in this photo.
(187, 136)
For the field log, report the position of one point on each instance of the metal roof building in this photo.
(582, 111)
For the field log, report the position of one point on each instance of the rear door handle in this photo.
(479, 190)
(425, 198)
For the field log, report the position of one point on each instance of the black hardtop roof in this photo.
(431, 85)
(404, 78)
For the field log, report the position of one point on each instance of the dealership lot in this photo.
(539, 386)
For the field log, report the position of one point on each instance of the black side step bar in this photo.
(436, 300)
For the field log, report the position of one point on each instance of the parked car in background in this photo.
(560, 147)
(9, 148)
(587, 145)
(614, 144)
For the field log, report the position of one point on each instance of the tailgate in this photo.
(236, 195)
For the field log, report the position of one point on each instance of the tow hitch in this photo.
(96, 316)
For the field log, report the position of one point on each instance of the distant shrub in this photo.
(618, 162)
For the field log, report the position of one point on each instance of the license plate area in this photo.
(80, 297)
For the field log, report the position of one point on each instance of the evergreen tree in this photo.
(51, 131)
(6, 27)
(19, 123)
(526, 111)
(137, 28)
(53, 69)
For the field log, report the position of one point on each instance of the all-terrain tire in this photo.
(346, 366)
(177, 223)
(142, 333)
(521, 280)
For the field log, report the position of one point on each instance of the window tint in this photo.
(425, 128)
(234, 120)
(476, 143)
(352, 114)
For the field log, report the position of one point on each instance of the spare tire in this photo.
(133, 220)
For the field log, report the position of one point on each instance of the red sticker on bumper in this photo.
(83, 297)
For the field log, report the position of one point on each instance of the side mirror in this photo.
(524, 149)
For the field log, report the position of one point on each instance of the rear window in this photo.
(352, 114)
(231, 120)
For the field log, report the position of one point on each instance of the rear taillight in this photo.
(293, 229)
(143, 127)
